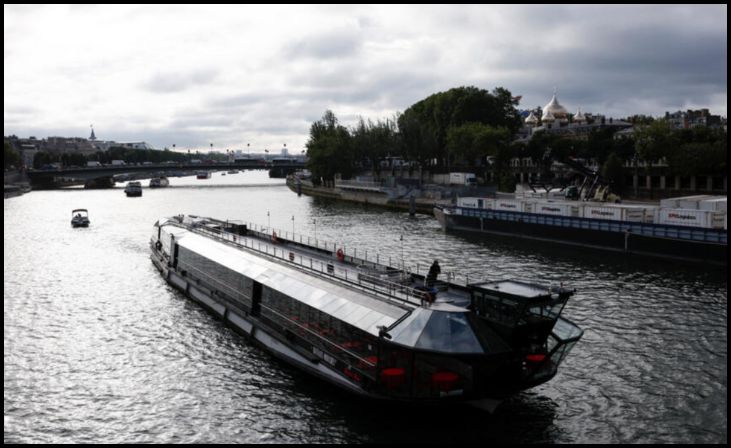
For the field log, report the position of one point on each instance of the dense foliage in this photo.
(471, 129)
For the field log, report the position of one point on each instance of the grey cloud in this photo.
(169, 82)
(616, 60)
(329, 45)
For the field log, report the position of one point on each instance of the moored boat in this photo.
(693, 235)
(367, 327)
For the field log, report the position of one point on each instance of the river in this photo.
(98, 348)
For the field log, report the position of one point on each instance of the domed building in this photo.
(554, 118)
(580, 118)
(532, 120)
(559, 113)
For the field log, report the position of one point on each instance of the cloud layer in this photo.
(232, 75)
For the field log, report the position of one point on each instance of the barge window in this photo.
(449, 332)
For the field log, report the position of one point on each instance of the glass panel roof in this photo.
(349, 305)
(437, 330)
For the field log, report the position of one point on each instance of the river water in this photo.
(98, 348)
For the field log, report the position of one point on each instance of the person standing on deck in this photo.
(431, 277)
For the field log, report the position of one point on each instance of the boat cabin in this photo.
(520, 312)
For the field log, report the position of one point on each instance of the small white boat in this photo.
(80, 218)
(159, 182)
(133, 189)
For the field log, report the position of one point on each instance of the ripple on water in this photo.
(98, 348)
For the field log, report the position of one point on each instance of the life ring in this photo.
(274, 237)
(340, 254)
(158, 245)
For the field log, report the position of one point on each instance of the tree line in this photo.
(468, 128)
(129, 155)
(447, 130)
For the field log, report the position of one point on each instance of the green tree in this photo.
(654, 142)
(431, 118)
(691, 159)
(613, 171)
(12, 158)
(329, 149)
(470, 144)
(371, 142)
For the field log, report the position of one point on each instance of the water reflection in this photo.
(98, 347)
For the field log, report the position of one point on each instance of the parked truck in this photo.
(462, 179)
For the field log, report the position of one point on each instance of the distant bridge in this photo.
(104, 176)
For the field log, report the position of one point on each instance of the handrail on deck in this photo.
(368, 283)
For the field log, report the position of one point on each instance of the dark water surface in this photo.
(98, 348)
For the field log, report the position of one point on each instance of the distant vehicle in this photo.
(80, 218)
(93, 163)
(392, 162)
(572, 192)
(118, 162)
(203, 174)
(462, 179)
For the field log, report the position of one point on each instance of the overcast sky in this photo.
(232, 75)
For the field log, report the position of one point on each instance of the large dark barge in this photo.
(367, 327)
(671, 242)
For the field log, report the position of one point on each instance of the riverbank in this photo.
(369, 193)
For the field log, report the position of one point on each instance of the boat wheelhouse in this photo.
(365, 326)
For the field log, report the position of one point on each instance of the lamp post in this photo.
(292, 227)
(269, 223)
(636, 180)
(403, 266)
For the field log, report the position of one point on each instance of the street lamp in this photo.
(636, 180)
(403, 266)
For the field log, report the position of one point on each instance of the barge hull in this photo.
(626, 242)
(250, 327)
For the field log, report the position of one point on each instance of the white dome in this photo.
(532, 119)
(558, 111)
(579, 117)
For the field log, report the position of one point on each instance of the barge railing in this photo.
(375, 260)
(322, 268)
(708, 235)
